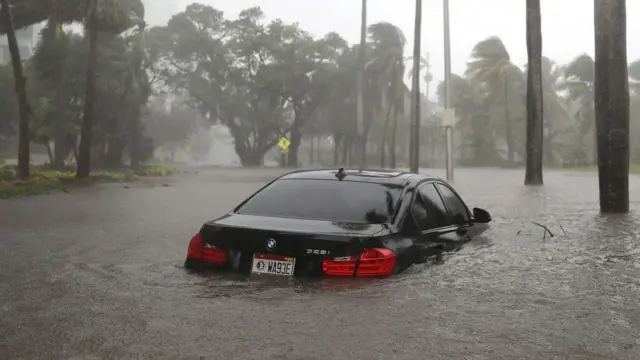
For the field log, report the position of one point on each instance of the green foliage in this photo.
(157, 170)
(260, 79)
(45, 180)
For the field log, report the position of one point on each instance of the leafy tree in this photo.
(233, 71)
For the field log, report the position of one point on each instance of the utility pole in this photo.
(414, 140)
(361, 151)
(449, 116)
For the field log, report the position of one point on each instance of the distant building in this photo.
(27, 41)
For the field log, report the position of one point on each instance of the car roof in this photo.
(377, 176)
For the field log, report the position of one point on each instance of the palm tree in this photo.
(478, 145)
(415, 90)
(362, 148)
(111, 16)
(387, 67)
(492, 70)
(21, 92)
(535, 102)
(612, 104)
(578, 82)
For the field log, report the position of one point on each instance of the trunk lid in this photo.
(297, 238)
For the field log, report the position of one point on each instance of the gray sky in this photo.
(567, 25)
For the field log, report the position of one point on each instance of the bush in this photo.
(44, 180)
(157, 170)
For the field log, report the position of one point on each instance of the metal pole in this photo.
(415, 90)
(447, 87)
(362, 145)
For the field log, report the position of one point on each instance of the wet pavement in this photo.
(97, 274)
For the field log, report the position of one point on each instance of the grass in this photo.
(44, 180)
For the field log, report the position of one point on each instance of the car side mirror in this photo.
(481, 215)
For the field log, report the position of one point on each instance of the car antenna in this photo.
(341, 174)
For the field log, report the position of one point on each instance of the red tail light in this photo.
(342, 266)
(376, 262)
(201, 251)
(372, 262)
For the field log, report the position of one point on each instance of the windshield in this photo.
(344, 201)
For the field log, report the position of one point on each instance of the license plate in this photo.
(273, 265)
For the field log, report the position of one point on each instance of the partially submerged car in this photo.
(338, 223)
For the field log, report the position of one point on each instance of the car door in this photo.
(436, 231)
(458, 211)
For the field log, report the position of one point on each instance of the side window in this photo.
(435, 206)
(456, 206)
(421, 215)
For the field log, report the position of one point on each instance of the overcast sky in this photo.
(567, 25)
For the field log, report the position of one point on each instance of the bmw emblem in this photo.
(271, 244)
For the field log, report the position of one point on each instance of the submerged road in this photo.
(97, 274)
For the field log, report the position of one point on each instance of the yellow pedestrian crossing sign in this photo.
(284, 144)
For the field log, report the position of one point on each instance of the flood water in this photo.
(97, 274)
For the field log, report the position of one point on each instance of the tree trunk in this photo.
(294, 146)
(249, 159)
(383, 138)
(392, 143)
(507, 122)
(86, 132)
(318, 154)
(113, 156)
(60, 104)
(24, 136)
(535, 119)
(414, 158)
(612, 104)
(47, 145)
(337, 141)
(311, 152)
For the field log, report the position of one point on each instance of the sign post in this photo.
(284, 143)
(449, 122)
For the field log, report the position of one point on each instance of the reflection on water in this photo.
(576, 292)
(104, 278)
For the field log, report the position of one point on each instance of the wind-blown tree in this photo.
(492, 69)
(170, 129)
(535, 120)
(472, 107)
(108, 16)
(307, 65)
(557, 115)
(261, 80)
(21, 91)
(111, 16)
(578, 82)
(337, 115)
(50, 63)
(387, 69)
(612, 104)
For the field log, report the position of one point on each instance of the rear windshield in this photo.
(344, 201)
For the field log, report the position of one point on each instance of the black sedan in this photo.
(338, 223)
